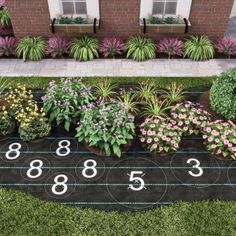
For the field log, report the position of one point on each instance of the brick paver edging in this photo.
(114, 67)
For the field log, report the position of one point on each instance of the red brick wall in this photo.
(119, 17)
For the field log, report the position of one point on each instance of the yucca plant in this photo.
(31, 48)
(128, 98)
(5, 18)
(199, 48)
(105, 90)
(8, 46)
(173, 93)
(146, 91)
(155, 108)
(84, 49)
(140, 48)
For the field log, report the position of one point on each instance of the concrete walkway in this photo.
(114, 67)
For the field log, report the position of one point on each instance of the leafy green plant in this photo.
(5, 18)
(145, 91)
(223, 94)
(199, 48)
(107, 126)
(72, 20)
(35, 129)
(155, 108)
(220, 138)
(84, 49)
(173, 93)
(7, 123)
(140, 48)
(128, 98)
(160, 135)
(105, 90)
(63, 101)
(31, 48)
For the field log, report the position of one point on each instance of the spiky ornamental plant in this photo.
(199, 48)
(4, 17)
(8, 46)
(31, 48)
(140, 48)
(84, 49)
(171, 47)
(112, 46)
(226, 46)
(58, 47)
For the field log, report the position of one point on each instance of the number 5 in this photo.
(197, 166)
(136, 180)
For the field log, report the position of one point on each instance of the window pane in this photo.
(81, 8)
(171, 8)
(158, 8)
(68, 8)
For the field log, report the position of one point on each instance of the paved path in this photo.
(114, 67)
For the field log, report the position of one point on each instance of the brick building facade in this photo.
(119, 18)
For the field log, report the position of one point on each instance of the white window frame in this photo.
(183, 8)
(55, 9)
(165, 1)
(74, 15)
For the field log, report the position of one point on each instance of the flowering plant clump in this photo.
(226, 46)
(63, 101)
(160, 135)
(106, 126)
(112, 47)
(58, 47)
(220, 138)
(8, 46)
(32, 120)
(7, 123)
(190, 117)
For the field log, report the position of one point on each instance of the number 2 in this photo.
(136, 180)
(197, 166)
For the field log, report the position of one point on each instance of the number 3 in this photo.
(136, 180)
(197, 166)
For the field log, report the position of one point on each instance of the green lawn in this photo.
(23, 215)
(188, 82)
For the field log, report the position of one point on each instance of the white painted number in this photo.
(197, 166)
(35, 167)
(89, 167)
(137, 180)
(63, 145)
(14, 151)
(60, 183)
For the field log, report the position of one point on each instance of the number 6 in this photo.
(197, 166)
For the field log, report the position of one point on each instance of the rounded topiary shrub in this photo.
(223, 95)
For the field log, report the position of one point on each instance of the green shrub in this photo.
(7, 124)
(31, 48)
(223, 95)
(141, 49)
(5, 18)
(84, 49)
(199, 48)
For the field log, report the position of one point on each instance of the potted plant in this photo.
(160, 135)
(65, 24)
(106, 128)
(220, 139)
(63, 101)
(174, 25)
(7, 123)
(190, 117)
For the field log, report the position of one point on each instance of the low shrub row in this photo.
(138, 48)
(106, 118)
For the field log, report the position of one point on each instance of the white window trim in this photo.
(55, 9)
(183, 8)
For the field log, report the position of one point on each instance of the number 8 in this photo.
(13, 150)
(33, 167)
(61, 146)
(61, 183)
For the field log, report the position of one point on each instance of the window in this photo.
(74, 7)
(164, 7)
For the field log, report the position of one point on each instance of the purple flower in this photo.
(171, 47)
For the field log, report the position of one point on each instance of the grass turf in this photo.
(23, 215)
(42, 82)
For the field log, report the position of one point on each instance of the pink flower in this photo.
(226, 142)
(149, 140)
(144, 132)
(154, 146)
(142, 140)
